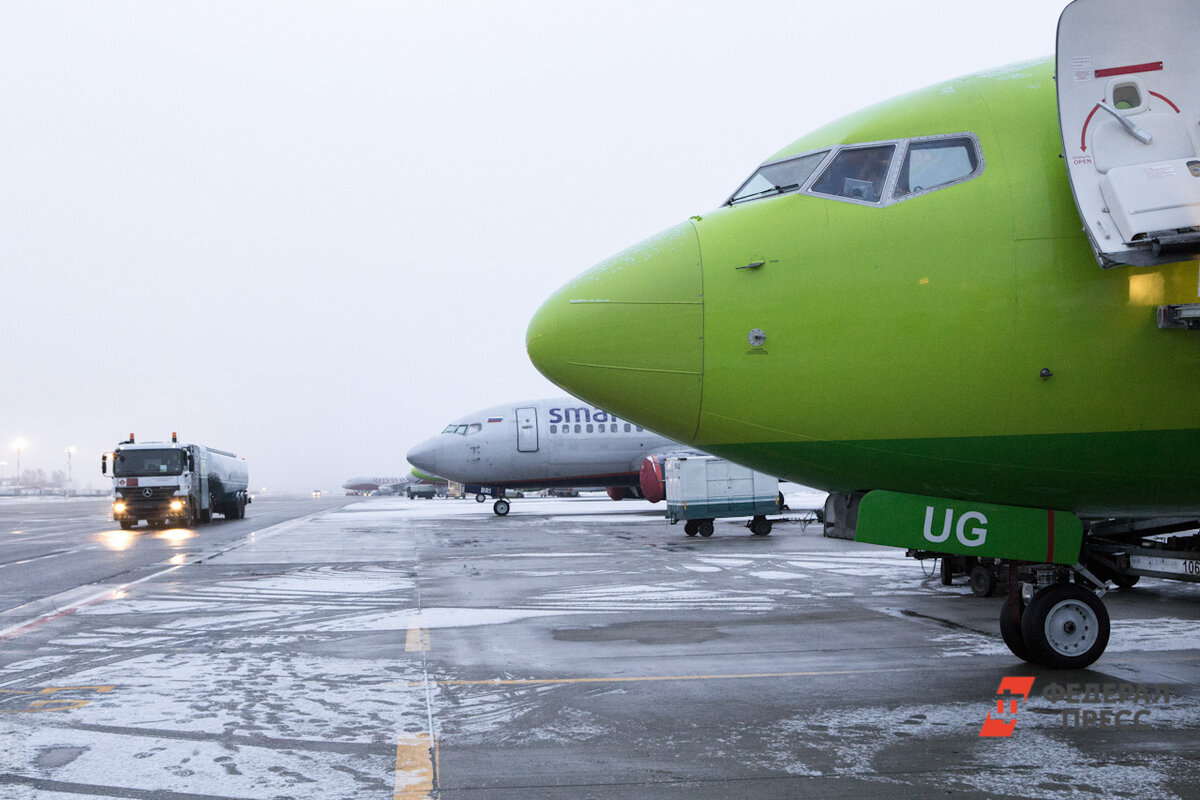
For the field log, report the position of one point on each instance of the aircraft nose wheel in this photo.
(1065, 627)
(500, 507)
(1010, 627)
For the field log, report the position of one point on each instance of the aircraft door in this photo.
(1129, 108)
(527, 433)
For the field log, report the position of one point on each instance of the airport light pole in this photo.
(70, 481)
(17, 445)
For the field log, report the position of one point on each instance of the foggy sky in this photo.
(313, 233)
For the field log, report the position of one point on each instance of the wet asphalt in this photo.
(575, 649)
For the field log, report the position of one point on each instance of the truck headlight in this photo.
(119, 508)
(176, 505)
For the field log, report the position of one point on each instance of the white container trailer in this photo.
(702, 488)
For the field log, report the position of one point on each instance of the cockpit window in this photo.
(857, 173)
(864, 173)
(450, 428)
(936, 162)
(778, 178)
(474, 427)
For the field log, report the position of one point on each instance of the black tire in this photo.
(1126, 581)
(760, 526)
(126, 524)
(1010, 628)
(479, 498)
(983, 581)
(704, 527)
(689, 527)
(1065, 627)
(500, 507)
(947, 570)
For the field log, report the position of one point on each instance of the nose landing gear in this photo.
(1054, 621)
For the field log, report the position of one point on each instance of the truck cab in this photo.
(158, 482)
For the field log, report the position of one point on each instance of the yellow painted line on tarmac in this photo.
(27, 705)
(652, 678)
(416, 767)
(417, 640)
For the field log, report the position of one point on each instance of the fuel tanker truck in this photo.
(167, 483)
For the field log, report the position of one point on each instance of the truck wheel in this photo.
(500, 507)
(1065, 627)
(126, 524)
(689, 527)
(982, 580)
(1126, 581)
(705, 528)
(479, 498)
(760, 526)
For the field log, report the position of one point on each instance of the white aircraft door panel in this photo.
(527, 432)
(1128, 77)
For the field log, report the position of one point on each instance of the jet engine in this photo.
(650, 477)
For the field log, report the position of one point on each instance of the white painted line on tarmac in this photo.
(63, 611)
(119, 591)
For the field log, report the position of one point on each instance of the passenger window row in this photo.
(589, 427)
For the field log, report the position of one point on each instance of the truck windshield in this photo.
(148, 462)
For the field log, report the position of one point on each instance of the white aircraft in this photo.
(540, 444)
(389, 486)
(368, 485)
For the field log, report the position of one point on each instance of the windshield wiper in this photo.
(773, 190)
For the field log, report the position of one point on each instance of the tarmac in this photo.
(578, 648)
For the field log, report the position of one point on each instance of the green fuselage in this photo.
(961, 344)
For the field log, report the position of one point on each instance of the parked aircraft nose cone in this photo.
(424, 456)
(627, 334)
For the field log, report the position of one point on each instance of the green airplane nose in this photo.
(628, 334)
